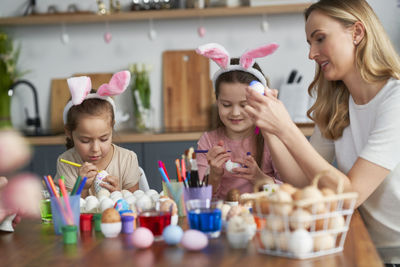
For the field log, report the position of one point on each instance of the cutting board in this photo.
(60, 96)
(187, 91)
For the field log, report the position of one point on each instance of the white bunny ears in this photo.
(81, 86)
(219, 55)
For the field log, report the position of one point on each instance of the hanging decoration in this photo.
(264, 23)
(152, 32)
(107, 34)
(64, 34)
(201, 30)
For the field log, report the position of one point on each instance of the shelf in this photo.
(153, 14)
(131, 137)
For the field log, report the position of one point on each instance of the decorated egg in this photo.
(172, 234)
(230, 165)
(98, 180)
(121, 204)
(142, 237)
(194, 240)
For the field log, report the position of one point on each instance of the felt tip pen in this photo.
(205, 151)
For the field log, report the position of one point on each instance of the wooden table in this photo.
(35, 244)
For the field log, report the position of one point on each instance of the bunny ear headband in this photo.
(81, 86)
(219, 55)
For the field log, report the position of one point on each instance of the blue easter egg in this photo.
(121, 204)
(172, 234)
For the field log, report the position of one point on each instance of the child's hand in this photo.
(90, 171)
(217, 157)
(113, 183)
(250, 171)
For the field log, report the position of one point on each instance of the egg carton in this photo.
(305, 228)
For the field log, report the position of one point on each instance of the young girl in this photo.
(235, 137)
(89, 121)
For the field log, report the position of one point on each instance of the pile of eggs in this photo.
(296, 228)
(105, 200)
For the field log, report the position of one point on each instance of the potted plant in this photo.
(8, 75)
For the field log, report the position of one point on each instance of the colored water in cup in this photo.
(156, 221)
(45, 211)
(205, 216)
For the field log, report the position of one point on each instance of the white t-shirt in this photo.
(374, 135)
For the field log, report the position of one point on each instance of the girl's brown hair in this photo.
(238, 76)
(376, 59)
(91, 106)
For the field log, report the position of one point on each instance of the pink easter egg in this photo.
(107, 37)
(14, 151)
(201, 31)
(142, 237)
(194, 240)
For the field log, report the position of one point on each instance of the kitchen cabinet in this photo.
(152, 14)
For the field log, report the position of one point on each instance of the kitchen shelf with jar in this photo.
(152, 14)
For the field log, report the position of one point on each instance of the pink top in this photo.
(238, 149)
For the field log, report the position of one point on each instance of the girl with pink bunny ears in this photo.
(88, 122)
(234, 142)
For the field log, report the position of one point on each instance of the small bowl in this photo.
(238, 240)
(111, 230)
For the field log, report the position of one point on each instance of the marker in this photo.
(205, 151)
(71, 163)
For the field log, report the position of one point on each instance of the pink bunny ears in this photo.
(80, 88)
(219, 55)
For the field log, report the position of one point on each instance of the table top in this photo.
(35, 244)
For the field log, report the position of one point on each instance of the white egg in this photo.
(224, 211)
(103, 192)
(92, 205)
(151, 192)
(300, 243)
(144, 203)
(138, 194)
(130, 200)
(126, 193)
(106, 203)
(82, 203)
(101, 198)
(267, 239)
(230, 165)
(155, 197)
(116, 193)
(90, 197)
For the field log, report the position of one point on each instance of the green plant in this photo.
(9, 73)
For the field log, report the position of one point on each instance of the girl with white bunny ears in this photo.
(234, 141)
(88, 122)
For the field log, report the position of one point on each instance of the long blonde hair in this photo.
(376, 59)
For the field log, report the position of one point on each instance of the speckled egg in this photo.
(142, 238)
(172, 234)
(110, 215)
(194, 240)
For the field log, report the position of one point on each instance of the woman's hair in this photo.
(91, 106)
(376, 59)
(238, 76)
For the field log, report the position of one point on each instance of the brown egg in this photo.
(327, 192)
(288, 188)
(233, 195)
(110, 215)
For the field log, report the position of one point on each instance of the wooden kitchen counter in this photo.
(132, 137)
(35, 244)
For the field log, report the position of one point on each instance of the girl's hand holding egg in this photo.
(216, 157)
(111, 183)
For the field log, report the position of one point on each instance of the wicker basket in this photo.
(326, 221)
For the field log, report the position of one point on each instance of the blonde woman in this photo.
(356, 113)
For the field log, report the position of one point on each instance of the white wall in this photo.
(47, 57)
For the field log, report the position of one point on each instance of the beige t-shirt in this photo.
(124, 164)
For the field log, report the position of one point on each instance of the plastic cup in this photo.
(59, 217)
(70, 234)
(205, 215)
(154, 220)
(204, 192)
(175, 192)
(45, 211)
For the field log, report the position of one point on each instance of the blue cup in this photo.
(205, 215)
(62, 217)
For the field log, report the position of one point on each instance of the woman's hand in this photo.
(90, 171)
(267, 112)
(217, 157)
(111, 183)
